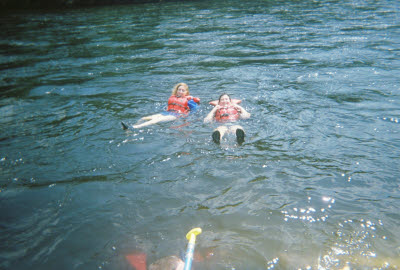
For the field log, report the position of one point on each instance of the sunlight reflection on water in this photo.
(314, 186)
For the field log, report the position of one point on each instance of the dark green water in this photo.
(315, 185)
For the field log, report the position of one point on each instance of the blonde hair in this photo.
(175, 89)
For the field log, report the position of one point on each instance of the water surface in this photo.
(315, 185)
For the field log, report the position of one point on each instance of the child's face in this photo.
(181, 91)
(224, 100)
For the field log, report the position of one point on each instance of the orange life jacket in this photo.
(178, 104)
(227, 114)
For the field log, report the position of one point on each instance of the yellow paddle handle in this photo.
(191, 235)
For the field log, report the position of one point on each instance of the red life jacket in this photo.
(227, 114)
(178, 104)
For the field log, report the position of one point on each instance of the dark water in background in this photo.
(315, 186)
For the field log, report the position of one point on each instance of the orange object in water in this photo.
(137, 260)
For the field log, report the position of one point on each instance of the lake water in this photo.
(314, 186)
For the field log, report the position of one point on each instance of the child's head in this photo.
(180, 88)
(224, 99)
